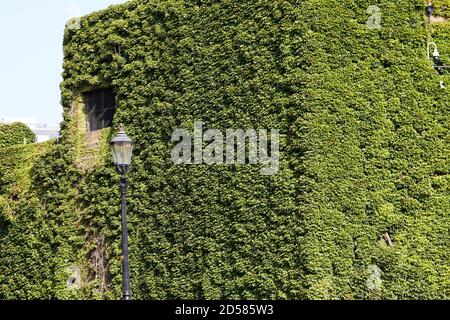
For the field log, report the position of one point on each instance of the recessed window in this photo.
(100, 107)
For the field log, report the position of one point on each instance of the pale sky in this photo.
(31, 35)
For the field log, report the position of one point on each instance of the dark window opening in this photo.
(100, 108)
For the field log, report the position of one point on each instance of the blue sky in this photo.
(31, 34)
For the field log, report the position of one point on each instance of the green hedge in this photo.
(14, 134)
(26, 271)
(365, 152)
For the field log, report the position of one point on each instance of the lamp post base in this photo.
(126, 296)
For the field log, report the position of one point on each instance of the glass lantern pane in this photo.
(122, 152)
(116, 153)
(127, 153)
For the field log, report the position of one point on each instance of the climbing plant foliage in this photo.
(442, 8)
(360, 207)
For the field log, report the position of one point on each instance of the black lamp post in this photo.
(122, 149)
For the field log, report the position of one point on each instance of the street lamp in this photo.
(122, 149)
(435, 53)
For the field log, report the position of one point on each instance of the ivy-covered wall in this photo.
(360, 207)
(14, 134)
(442, 8)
